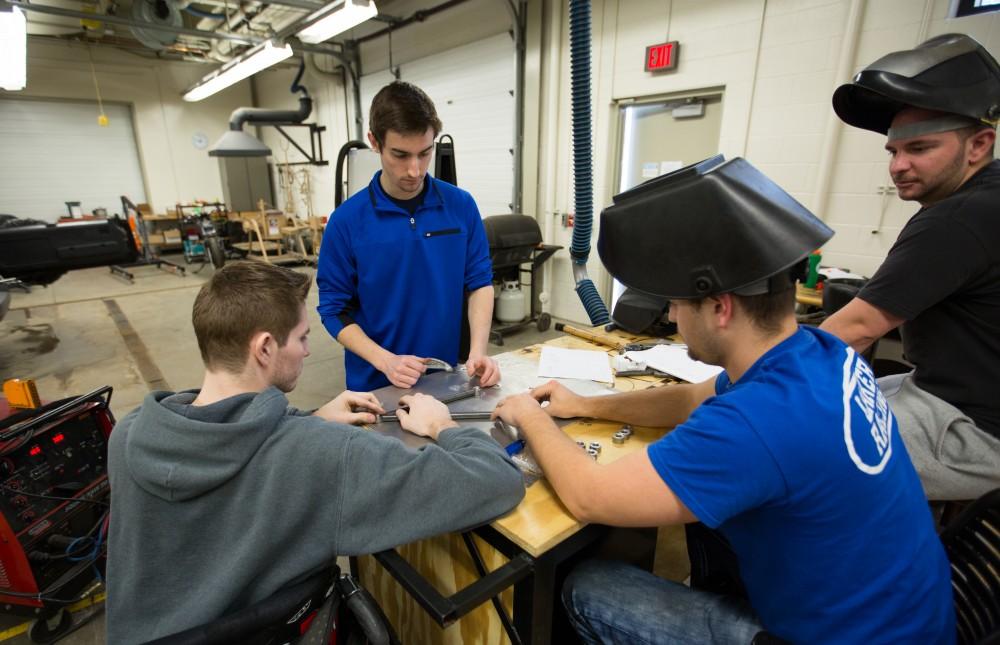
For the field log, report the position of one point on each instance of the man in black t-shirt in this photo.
(938, 104)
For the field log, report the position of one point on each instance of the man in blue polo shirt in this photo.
(792, 453)
(398, 258)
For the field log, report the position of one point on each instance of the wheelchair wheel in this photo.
(49, 630)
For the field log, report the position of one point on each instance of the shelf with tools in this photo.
(162, 231)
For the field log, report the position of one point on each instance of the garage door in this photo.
(54, 152)
(473, 89)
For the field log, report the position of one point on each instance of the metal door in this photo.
(658, 137)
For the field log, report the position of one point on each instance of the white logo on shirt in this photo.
(869, 410)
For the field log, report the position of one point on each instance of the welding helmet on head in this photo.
(952, 73)
(713, 227)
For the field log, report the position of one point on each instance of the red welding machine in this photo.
(54, 501)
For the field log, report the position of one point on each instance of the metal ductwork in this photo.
(237, 143)
(153, 13)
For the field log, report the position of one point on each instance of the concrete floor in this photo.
(90, 329)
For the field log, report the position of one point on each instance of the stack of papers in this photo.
(557, 362)
(674, 360)
(832, 273)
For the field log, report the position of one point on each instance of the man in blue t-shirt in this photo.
(792, 453)
(398, 258)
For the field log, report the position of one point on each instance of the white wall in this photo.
(333, 105)
(777, 62)
(327, 91)
(173, 169)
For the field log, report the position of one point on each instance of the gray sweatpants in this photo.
(955, 459)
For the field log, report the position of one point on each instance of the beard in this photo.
(286, 377)
(706, 352)
(941, 184)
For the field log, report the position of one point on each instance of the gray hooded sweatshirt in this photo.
(216, 507)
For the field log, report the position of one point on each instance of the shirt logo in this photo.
(867, 419)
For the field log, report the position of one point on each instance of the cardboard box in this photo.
(155, 239)
(172, 236)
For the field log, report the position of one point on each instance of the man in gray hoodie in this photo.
(222, 496)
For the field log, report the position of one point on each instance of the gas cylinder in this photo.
(510, 304)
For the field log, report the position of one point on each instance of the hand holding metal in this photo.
(438, 364)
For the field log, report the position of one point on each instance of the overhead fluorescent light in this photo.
(13, 49)
(254, 60)
(328, 24)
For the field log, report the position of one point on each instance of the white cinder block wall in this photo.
(777, 62)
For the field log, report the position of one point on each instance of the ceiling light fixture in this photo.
(254, 60)
(13, 49)
(328, 23)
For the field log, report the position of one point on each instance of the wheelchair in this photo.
(324, 609)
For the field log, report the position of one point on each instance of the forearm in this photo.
(665, 406)
(569, 469)
(463, 481)
(625, 492)
(356, 340)
(480, 319)
(859, 324)
(852, 332)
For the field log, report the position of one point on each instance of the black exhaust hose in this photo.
(338, 174)
(266, 116)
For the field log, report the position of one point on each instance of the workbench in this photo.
(523, 549)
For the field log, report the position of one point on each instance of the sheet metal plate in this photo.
(518, 374)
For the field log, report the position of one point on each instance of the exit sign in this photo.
(663, 56)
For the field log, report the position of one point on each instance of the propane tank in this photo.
(510, 304)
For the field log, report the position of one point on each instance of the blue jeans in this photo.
(613, 602)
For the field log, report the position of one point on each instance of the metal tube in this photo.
(455, 416)
(246, 39)
(297, 4)
(126, 22)
(418, 16)
(517, 16)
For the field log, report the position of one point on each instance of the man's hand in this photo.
(517, 410)
(426, 416)
(342, 409)
(402, 370)
(563, 403)
(484, 367)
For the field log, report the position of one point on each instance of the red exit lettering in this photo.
(662, 56)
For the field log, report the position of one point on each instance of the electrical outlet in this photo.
(886, 189)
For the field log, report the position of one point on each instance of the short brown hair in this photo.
(964, 134)
(241, 299)
(402, 107)
(766, 311)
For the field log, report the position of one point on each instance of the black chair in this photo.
(972, 543)
(307, 612)
(836, 294)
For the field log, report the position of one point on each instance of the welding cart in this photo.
(517, 252)
(54, 499)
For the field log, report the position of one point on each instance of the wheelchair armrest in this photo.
(240, 625)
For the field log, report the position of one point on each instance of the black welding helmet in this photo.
(952, 73)
(713, 227)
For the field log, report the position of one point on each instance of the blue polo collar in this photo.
(380, 201)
